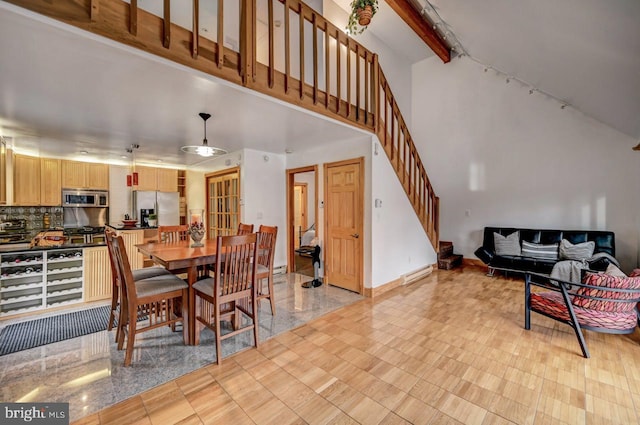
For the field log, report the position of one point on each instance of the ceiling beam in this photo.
(414, 19)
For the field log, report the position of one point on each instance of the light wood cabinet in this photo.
(131, 238)
(50, 182)
(147, 178)
(85, 175)
(167, 180)
(97, 175)
(26, 180)
(161, 179)
(97, 274)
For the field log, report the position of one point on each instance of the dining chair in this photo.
(245, 229)
(149, 302)
(267, 236)
(169, 234)
(138, 274)
(231, 292)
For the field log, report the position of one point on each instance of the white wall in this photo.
(498, 156)
(119, 194)
(264, 195)
(399, 242)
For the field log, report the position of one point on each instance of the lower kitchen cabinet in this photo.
(36, 280)
(97, 274)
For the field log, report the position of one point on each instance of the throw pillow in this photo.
(536, 250)
(580, 251)
(605, 281)
(635, 273)
(613, 270)
(507, 245)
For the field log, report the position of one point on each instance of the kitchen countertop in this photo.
(8, 248)
(131, 227)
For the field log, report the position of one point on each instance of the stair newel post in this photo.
(248, 42)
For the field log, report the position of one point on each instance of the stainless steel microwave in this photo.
(85, 198)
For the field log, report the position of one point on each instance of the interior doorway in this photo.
(302, 213)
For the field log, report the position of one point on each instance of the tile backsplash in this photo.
(34, 216)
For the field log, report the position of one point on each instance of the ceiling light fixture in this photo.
(204, 149)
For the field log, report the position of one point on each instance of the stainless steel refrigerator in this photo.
(165, 204)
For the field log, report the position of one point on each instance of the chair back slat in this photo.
(267, 236)
(123, 269)
(245, 229)
(172, 234)
(235, 270)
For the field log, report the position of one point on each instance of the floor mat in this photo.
(47, 330)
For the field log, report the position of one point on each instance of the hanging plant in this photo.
(361, 13)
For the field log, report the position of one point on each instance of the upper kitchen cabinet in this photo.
(50, 182)
(160, 179)
(26, 180)
(167, 180)
(85, 175)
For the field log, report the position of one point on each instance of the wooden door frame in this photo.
(360, 267)
(290, 182)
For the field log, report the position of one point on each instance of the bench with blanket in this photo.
(538, 251)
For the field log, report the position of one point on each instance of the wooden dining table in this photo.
(176, 257)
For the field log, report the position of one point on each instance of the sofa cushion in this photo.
(536, 250)
(581, 251)
(613, 270)
(552, 303)
(606, 281)
(507, 245)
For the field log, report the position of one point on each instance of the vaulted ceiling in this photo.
(62, 92)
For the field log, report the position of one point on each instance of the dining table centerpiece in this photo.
(196, 228)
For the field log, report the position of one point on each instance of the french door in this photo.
(223, 202)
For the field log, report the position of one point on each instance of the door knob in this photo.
(355, 235)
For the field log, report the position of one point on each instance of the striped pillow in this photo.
(507, 245)
(579, 251)
(536, 250)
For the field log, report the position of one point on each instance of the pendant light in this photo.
(204, 149)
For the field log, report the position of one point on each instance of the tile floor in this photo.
(87, 372)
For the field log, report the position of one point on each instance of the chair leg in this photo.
(185, 314)
(527, 302)
(131, 338)
(218, 335)
(574, 322)
(271, 298)
(254, 305)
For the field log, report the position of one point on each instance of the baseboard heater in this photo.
(417, 274)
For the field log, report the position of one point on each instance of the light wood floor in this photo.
(447, 349)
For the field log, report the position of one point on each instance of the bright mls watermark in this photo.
(34, 413)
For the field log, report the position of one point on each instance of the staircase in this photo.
(447, 260)
(344, 82)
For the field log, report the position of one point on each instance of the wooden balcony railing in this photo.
(282, 48)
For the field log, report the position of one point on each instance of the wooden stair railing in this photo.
(403, 155)
(334, 75)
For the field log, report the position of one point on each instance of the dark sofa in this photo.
(604, 242)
